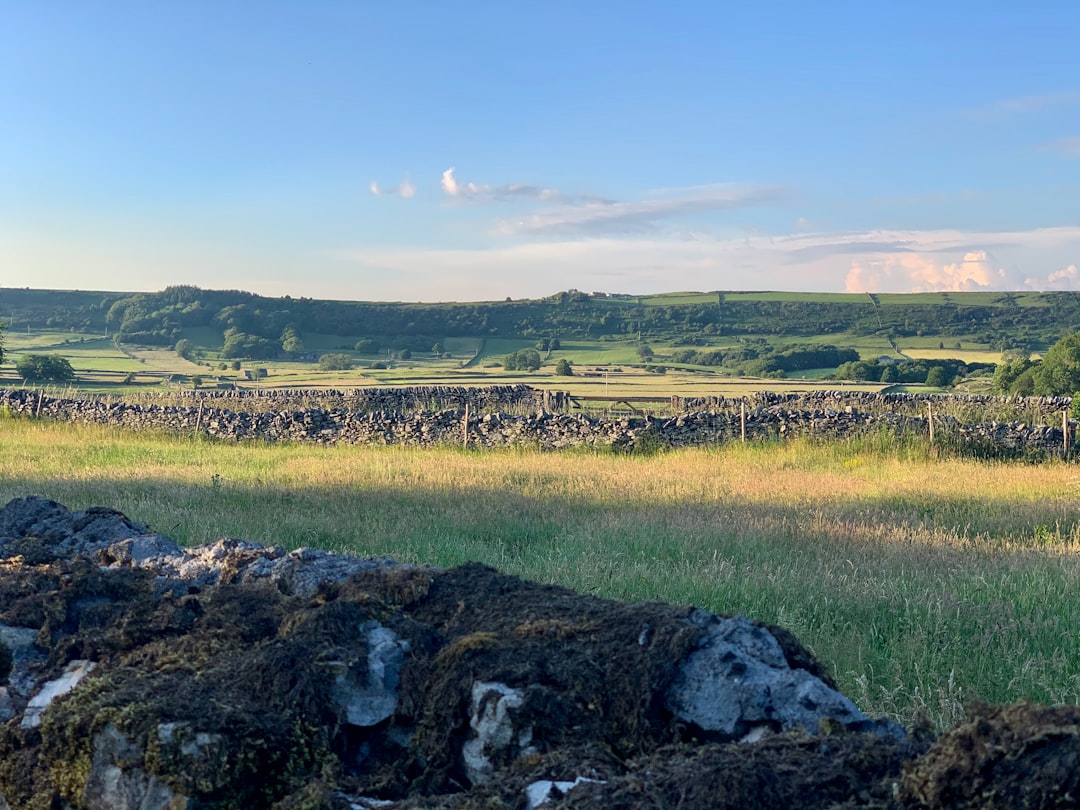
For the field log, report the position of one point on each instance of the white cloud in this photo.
(1065, 279)
(406, 190)
(875, 261)
(916, 272)
(453, 187)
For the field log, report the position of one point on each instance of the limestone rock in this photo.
(738, 679)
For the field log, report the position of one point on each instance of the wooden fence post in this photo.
(198, 419)
(1064, 433)
(465, 428)
(930, 421)
(742, 420)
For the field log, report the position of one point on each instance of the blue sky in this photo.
(478, 150)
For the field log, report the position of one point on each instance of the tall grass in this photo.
(921, 582)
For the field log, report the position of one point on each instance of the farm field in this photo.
(921, 582)
(602, 369)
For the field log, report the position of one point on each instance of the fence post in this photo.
(198, 419)
(930, 421)
(1064, 434)
(465, 429)
(742, 420)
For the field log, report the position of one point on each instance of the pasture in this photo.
(921, 582)
(602, 368)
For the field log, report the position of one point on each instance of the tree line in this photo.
(160, 318)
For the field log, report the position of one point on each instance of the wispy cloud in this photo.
(608, 217)
(583, 215)
(1040, 101)
(1069, 147)
(1024, 105)
(453, 187)
(406, 190)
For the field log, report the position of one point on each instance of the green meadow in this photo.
(922, 582)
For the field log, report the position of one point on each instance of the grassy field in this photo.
(101, 368)
(921, 582)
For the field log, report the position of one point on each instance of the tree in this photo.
(564, 368)
(291, 343)
(366, 346)
(437, 349)
(404, 354)
(522, 360)
(335, 362)
(1059, 372)
(937, 377)
(44, 368)
(1009, 371)
(235, 365)
(185, 348)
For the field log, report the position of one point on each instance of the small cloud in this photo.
(1065, 279)
(406, 190)
(453, 188)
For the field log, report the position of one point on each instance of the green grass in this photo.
(920, 582)
(800, 297)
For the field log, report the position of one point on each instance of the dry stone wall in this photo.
(766, 417)
(370, 399)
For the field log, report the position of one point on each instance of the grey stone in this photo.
(115, 784)
(368, 694)
(738, 679)
(67, 531)
(25, 657)
(73, 673)
(492, 723)
(540, 792)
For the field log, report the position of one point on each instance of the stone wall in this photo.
(764, 419)
(367, 399)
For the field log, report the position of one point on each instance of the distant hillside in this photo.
(1003, 320)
